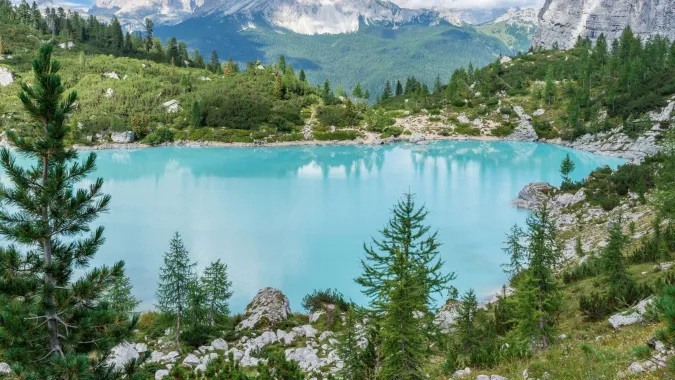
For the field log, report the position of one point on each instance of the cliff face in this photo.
(562, 21)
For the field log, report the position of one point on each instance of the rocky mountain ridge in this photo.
(563, 21)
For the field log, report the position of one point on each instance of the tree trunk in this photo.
(178, 325)
(49, 301)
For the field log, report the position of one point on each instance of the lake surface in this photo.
(296, 218)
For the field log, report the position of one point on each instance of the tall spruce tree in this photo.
(566, 167)
(218, 290)
(51, 325)
(516, 250)
(401, 274)
(176, 276)
(149, 29)
(357, 91)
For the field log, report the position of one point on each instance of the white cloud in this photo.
(470, 4)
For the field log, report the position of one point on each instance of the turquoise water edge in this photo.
(296, 218)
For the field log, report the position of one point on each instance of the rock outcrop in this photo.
(268, 307)
(172, 106)
(532, 195)
(524, 131)
(5, 369)
(632, 316)
(123, 137)
(562, 21)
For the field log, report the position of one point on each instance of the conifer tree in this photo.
(399, 88)
(218, 290)
(175, 278)
(214, 63)
(358, 92)
(366, 95)
(549, 91)
(50, 323)
(351, 347)
(327, 94)
(282, 64)
(196, 115)
(119, 295)
(536, 295)
(516, 250)
(401, 273)
(613, 260)
(149, 29)
(198, 60)
(566, 167)
(438, 88)
(302, 77)
(386, 94)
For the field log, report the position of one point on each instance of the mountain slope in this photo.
(563, 21)
(372, 54)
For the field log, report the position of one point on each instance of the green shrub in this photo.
(337, 135)
(197, 336)
(159, 136)
(392, 131)
(319, 298)
(503, 130)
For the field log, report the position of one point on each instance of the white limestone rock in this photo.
(505, 59)
(67, 45)
(325, 335)
(446, 315)
(286, 338)
(461, 373)
(6, 77)
(532, 195)
(562, 21)
(171, 357)
(5, 369)
(190, 361)
(172, 106)
(161, 373)
(109, 93)
(122, 354)
(111, 75)
(269, 306)
(632, 316)
(417, 138)
(219, 344)
(123, 137)
(313, 317)
(306, 357)
(635, 368)
(306, 330)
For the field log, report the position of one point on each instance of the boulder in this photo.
(446, 315)
(219, 344)
(632, 316)
(122, 354)
(461, 373)
(532, 195)
(504, 59)
(5, 369)
(567, 199)
(111, 75)
(204, 361)
(204, 78)
(417, 138)
(497, 377)
(171, 357)
(635, 368)
(325, 335)
(141, 347)
(109, 93)
(306, 357)
(67, 45)
(172, 106)
(306, 330)
(313, 317)
(123, 137)
(268, 307)
(286, 338)
(161, 373)
(6, 77)
(538, 112)
(190, 361)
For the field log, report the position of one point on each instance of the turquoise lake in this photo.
(296, 218)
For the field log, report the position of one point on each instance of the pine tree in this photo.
(196, 311)
(566, 167)
(218, 290)
(351, 347)
(128, 45)
(358, 92)
(119, 295)
(614, 265)
(303, 76)
(438, 88)
(43, 209)
(175, 278)
(149, 28)
(196, 115)
(366, 95)
(401, 273)
(516, 251)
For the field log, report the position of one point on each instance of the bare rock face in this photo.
(532, 195)
(122, 137)
(562, 21)
(269, 306)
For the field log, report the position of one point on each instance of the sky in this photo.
(404, 3)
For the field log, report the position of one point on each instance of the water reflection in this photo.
(295, 218)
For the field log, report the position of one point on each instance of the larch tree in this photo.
(516, 251)
(120, 296)
(566, 167)
(51, 324)
(218, 289)
(401, 274)
(536, 294)
(175, 278)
